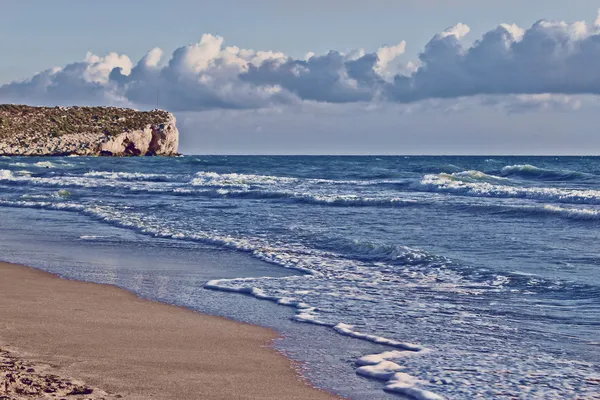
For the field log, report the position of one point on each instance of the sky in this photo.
(321, 77)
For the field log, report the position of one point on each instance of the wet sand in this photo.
(55, 332)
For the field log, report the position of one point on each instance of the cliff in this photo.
(86, 131)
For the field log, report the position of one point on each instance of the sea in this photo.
(388, 277)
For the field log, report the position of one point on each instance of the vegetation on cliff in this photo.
(58, 121)
(27, 130)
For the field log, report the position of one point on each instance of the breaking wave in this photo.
(128, 176)
(472, 176)
(6, 174)
(531, 171)
(449, 184)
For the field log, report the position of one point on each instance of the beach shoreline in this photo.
(109, 340)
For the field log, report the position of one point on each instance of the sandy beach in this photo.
(67, 339)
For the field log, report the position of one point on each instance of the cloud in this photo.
(539, 67)
(550, 57)
(533, 102)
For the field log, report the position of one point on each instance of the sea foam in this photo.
(444, 183)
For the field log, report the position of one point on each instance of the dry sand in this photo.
(62, 334)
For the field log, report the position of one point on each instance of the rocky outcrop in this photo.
(86, 131)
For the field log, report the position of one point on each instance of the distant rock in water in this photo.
(86, 131)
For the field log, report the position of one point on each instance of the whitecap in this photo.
(531, 171)
(6, 175)
(125, 175)
(445, 183)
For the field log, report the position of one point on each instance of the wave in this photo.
(42, 164)
(212, 185)
(46, 205)
(6, 174)
(444, 183)
(214, 179)
(297, 257)
(377, 366)
(350, 200)
(315, 261)
(473, 176)
(573, 213)
(467, 183)
(528, 210)
(326, 199)
(531, 171)
(128, 176)
(132, 184)
(231, 185)
(45, 164)
(369, 251)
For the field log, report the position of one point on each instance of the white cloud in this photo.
(538, 102)
(153, 58)
(458, 31)
(533, 67)
(97, 69)
(386, 66)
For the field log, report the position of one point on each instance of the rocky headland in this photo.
(86, 131)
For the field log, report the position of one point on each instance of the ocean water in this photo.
(442, 277)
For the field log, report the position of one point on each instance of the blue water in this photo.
(481, 274)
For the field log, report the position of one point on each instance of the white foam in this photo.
(310, 196)
(383, 370)
(376, 366)
(379, 366)
(446, 183)
(43, 204)
(41, 164)
(575, 213)
(91, 237)
(475, 175)
(63, 193)
(124, 175)
(536, 172)
(521, 168)
(6, 175)
(45, 164)
(348, 330)
(87, 182)
(407, 385)
(211, 179)
(373, 359)
(237, 180)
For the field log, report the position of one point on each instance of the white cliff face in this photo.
(160, 139)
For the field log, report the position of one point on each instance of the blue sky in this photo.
(267, 111)
(35, 35)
